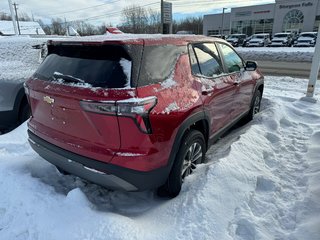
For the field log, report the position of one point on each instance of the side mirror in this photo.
(250, 66)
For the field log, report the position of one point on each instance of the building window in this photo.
(316, 24)
(293, 21)
(213, 32)
(250, 27)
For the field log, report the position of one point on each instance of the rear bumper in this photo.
(104, 174)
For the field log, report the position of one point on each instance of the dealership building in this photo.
(281, 16)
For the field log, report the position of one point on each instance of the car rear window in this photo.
(107, 66)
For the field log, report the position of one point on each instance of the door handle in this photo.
(236, 83)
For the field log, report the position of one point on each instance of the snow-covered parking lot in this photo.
(261, 182)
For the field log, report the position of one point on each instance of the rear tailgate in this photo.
(104, 74)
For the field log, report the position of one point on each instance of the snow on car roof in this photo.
(138, 38)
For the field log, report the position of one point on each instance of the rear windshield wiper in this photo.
(67, 78)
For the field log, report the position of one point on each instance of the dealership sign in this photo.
(298, 5)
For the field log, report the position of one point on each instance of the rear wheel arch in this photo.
(24, 109)
(19, 103)
(198, 121)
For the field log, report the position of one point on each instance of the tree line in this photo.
(134, 19)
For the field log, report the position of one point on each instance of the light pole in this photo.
(314, 72)
(222, 20)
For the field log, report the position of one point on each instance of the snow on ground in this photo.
(261, 181)
(285, 54)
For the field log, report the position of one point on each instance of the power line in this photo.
(80, 9)
(112, 13)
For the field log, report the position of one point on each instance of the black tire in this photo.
(193, 144)
(24, 112)
(255, 107)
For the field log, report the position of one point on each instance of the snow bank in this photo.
(284, 54)
(261, 181)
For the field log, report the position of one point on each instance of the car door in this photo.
(217, 87)
(242, 80)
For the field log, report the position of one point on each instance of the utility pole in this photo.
(67, 27)
(222, 20)
(15, 9)
(13, 18)
(314, 72)
(161, 9)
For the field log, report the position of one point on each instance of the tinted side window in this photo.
(158, 63)
(194, 62)
(232, 60)
(208, 58)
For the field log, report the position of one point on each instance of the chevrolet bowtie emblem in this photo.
(48, 99)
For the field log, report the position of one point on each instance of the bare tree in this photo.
(84, 29)
(154, 21)
(191, 24)
(5, 16)
(46, 28)
(135, 19)
(58, 27)
(24, 17)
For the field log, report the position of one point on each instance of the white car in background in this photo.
(281, 40)
(306, 39)
(259, 40)
(18, 60)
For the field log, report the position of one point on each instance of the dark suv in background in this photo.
(138, 112)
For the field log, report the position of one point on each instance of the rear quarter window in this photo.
(158, 63)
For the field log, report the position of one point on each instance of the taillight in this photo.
(136, 108)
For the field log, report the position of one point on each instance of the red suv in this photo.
(138, 112)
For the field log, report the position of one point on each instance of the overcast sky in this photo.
(109, 11)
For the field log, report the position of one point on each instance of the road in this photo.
(292, 69)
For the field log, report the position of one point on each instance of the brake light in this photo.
(136, 108)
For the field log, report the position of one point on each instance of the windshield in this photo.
(99, 66)
(258, 36)
(233, 36)
(281, 35)
(309, 35)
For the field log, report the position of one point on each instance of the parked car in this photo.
(14, 108)
(259, 40)
(281, 40)
(17, 62)
(306, 39)
(218, 36)
(246, 41)
(136, 113)
(237, 40)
